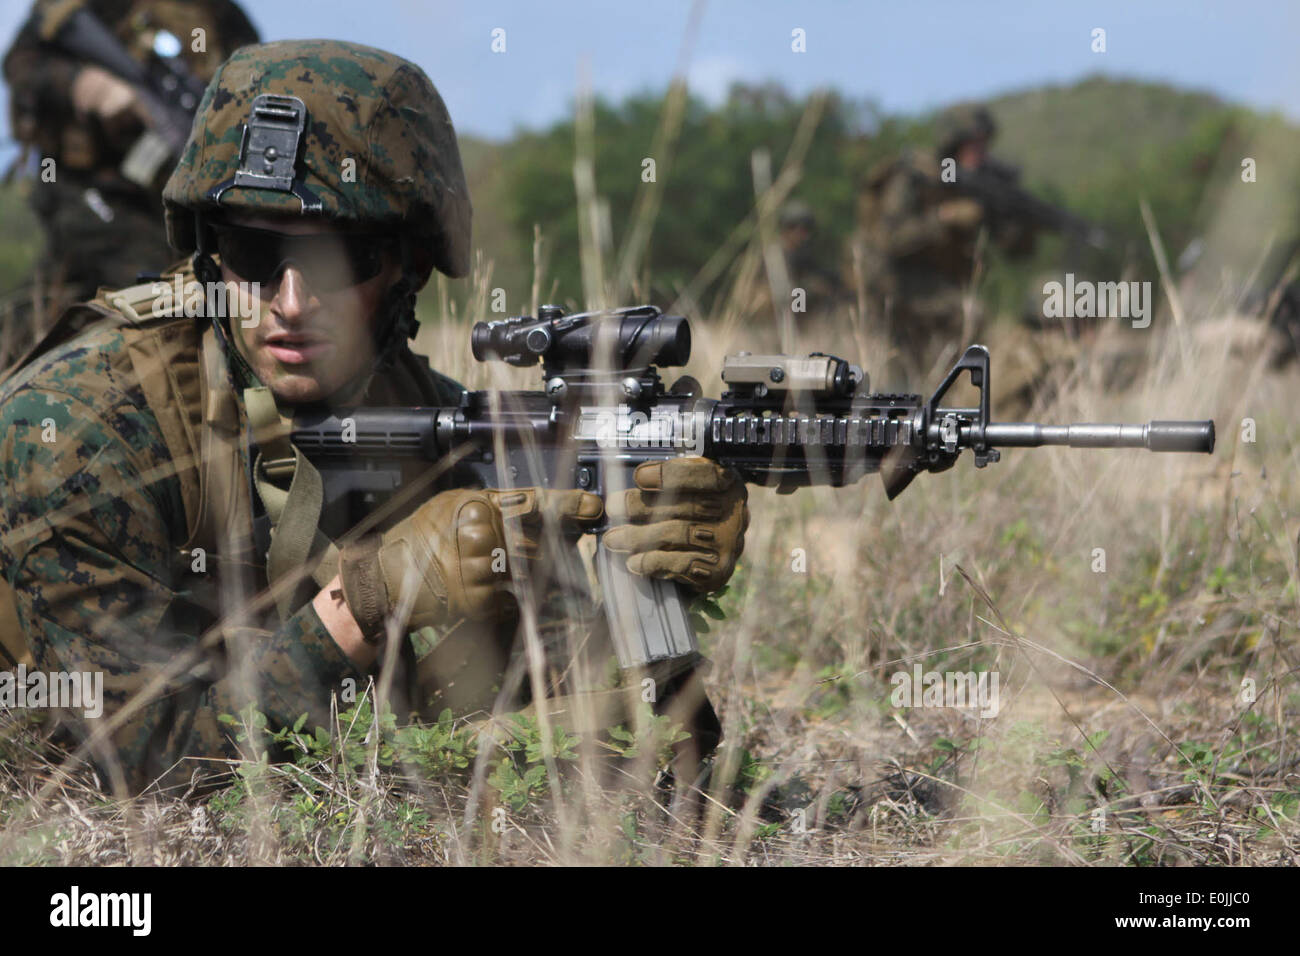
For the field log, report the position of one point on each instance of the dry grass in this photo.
(1123, 736)
(1120, 690)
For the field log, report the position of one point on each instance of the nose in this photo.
(294, 299)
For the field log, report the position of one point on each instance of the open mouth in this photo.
(297, 349)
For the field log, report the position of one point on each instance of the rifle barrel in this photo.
(1156, 436)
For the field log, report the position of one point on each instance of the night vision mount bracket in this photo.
(269, 150)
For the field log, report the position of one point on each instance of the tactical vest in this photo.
(182, 370)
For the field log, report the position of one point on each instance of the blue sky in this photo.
(908, 56)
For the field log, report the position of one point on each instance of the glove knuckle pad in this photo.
(476, 539)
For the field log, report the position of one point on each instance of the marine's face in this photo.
(972, 153)
(310, 329)
(796, 236)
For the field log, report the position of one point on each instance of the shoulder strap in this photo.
(168, 371)
(296, 538)
(223, 515)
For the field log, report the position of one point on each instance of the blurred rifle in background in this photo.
(996, 186)
(168, 92)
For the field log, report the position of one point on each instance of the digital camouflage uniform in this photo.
(100, 228)
(98, 526)
(96, 531)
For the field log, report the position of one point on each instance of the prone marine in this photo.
(157, 524)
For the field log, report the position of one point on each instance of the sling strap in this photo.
(293, 494)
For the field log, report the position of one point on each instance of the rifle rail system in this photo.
(784, 421)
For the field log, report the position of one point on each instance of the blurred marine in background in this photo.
(101, 95)
(921, 218)
(807, 271)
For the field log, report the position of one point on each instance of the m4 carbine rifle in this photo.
(785, 421)
(164, 85)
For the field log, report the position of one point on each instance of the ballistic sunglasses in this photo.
(329, 262)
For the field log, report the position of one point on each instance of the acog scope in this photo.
(620, 339)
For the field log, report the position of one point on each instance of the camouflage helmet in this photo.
(796, 212)
(325, 128)
(962, 123)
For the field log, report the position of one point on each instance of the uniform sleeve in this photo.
(906, 225)
(89, 516)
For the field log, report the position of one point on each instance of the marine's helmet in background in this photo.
(961, 124)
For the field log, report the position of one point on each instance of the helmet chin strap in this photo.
(398, 325)
(207, 272)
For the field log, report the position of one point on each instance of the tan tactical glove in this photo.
(687, 519)
(962, 213)
(453, 551)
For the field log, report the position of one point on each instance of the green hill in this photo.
(1101, 145)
